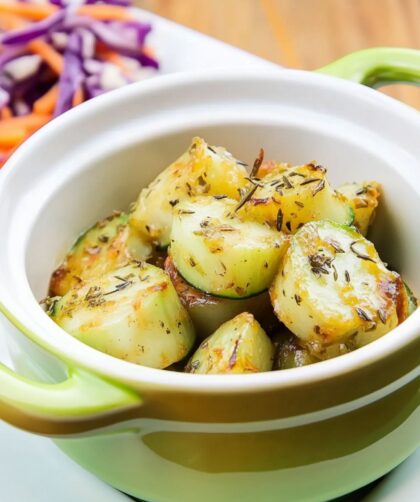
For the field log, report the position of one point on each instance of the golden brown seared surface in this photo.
(364, 199)
(332, 287)
(132, 313)
(109, 244)
(288, 197)
(201, 170)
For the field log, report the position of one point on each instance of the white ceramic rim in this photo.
(70, 349)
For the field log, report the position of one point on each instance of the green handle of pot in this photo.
(378, 66)
(82, 402)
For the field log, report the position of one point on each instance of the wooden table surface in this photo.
(303, 34)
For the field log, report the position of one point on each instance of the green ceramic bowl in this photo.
(309, 433)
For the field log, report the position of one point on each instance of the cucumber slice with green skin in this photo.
(332, 287)
(201, 170)
(363, 198)
(220, 254)
(238, 346)
(288, 197)
(290, 352)
(109, 244)
(208, 312)
(132, 313)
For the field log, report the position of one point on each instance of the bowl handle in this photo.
(82, 402)
(378, 66)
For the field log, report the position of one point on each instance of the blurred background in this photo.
(304, 34)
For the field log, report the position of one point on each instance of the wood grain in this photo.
(303, 34)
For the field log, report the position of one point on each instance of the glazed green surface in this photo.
(81, 394)
(283, 465)
(378, 66)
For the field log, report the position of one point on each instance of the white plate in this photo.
(32, 468)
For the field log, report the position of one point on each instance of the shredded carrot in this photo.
(149, 51)
(5, 154)
(105, 12)
(53, 58)
(15, 130)
(46, 103)
(11, 21)
(30, 122)
(6, 113)
(78, 97)
(41, 11)
(11, 135)
(31, 11)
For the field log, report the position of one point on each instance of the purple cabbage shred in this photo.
(83, 43)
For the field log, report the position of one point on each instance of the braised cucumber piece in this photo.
(332, 287)
(288, 197)
(363, 197)
(410, 303)
(201, 170)
(132, 313)
(238, 346)
(208, 312)
(218, 253)
(109, 244)
(290, 352)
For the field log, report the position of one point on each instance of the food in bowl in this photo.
(229, 237)
(132, 312)
(238, 346)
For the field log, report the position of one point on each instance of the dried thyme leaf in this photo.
(365, 316)
(382, 316)
(319, 187)
(360, 255)
(279, 220)
(310, 180)
(246, 197)
(257, 163)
